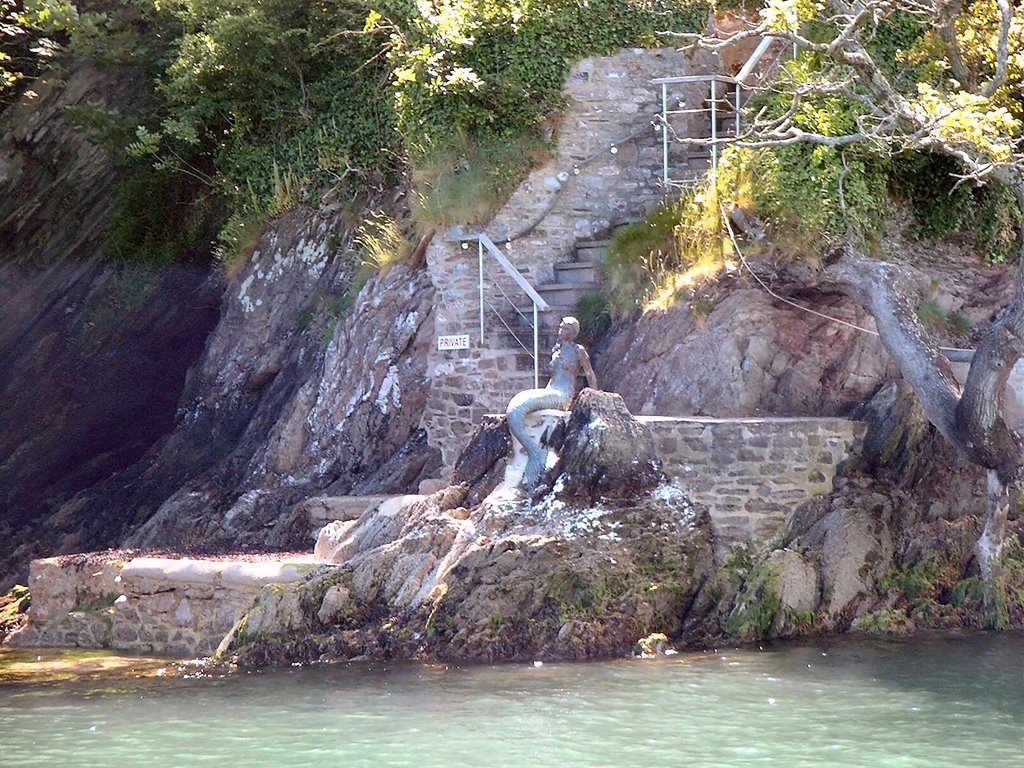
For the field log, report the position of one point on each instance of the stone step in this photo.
(321, 510)
(699, 164)
(548, 321)
(523, 330)
(577, 273)
(564, 295)
(591, 252)
(546, 338)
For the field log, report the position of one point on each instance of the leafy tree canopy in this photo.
(265, 101)
(924, 100)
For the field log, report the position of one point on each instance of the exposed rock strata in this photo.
(93, 356)
(292, 396)
(279, 417)
(888, 552)
(751, 355)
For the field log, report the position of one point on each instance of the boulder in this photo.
(606, 454)
(608, 555)
(481, 465)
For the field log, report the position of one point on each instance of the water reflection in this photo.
(935, 701)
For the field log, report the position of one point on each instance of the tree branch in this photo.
(1002, 50)
(885, 290)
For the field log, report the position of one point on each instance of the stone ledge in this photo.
(188, 571)
(165, 605)
(750, 472)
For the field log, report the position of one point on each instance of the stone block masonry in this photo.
(162, 605)
(752, 473)
(605, 170)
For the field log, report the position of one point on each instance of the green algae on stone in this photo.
(41, 665)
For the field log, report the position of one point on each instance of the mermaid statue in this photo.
(568, 360)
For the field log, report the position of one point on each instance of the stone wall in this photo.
(145, 604)
(605, 170)
(752, 473)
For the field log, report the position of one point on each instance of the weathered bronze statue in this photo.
(568, 360)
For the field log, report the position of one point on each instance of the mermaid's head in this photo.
(568, 329)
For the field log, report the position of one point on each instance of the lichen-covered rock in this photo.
(13, 608)
(774, 596)
(334, 603)
(739, 352)
(510, 577)
(588, 583)
(605, 454)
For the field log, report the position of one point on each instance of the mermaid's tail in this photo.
(519, 407)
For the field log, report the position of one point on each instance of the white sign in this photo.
(445, 343)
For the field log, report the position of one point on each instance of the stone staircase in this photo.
(573, 281)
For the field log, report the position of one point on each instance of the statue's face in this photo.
(566, 332)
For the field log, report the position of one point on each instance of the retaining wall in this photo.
(752, 473)
(145, 604)
(584, 190)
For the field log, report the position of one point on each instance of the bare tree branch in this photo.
(892, 121)
(1002, 50)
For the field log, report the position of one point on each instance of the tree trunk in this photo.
(989, 547)
(972, 421)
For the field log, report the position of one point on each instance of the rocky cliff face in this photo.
(283, 410)
(749, 354)
(189, 409)
(172, 405)
(286, 401)
(92, 356)
(560, 575)
(735, 350)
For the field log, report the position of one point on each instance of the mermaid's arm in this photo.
(588, 369)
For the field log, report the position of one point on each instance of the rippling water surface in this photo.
(936, 701)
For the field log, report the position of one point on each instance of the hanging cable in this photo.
(790, 302)
(772, 293)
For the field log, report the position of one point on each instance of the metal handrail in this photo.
(755, 57)
(508, 328)
(714, 140)
(739, 82)
(485, 243)
(515, 308)
(504, 293)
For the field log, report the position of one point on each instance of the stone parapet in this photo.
(178, 606)
(751, 473)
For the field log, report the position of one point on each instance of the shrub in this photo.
(942, 205)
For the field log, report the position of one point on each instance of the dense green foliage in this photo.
(262, 104)
(829, 155)
(489, 68)
(266, 103)
(942, 206)
(478, 85)
(21, 51)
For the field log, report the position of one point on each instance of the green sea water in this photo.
(932, 701)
